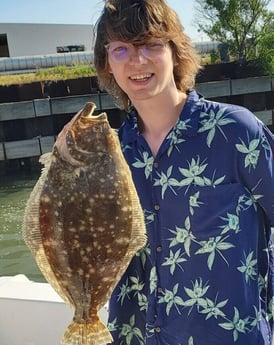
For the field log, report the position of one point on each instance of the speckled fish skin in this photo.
(83, 221)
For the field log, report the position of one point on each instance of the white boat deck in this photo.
(32, 313)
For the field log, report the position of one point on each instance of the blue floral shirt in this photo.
(205, 276)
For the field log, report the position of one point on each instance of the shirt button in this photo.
(156, 207)
(155, 165)
(157, 329)
(159, 249)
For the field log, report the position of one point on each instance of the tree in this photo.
(241, 24)
(265, 46)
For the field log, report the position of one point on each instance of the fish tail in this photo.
(95, 333)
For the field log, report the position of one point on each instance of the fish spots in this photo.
(82, 227)
(97, 245)
(109, 250)
(60, 189)
(87, 276)
(46, 199)
(80, 271)
(100, 196)
(76, 244)
(85, 259)
(88, 249)
(82, 195)
(122, 240)
(68, 276)
(47, 243)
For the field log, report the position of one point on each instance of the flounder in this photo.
(83, 221)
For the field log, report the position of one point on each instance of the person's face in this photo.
(142, 72)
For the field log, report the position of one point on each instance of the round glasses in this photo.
(120, 52)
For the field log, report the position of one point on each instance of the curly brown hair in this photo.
(137, 21)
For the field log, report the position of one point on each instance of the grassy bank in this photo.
(54, 73)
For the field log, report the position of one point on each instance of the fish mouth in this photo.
(141, 76)
(88, 110)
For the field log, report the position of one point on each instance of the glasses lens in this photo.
(117, 51)
(121, 52)
(153, 49)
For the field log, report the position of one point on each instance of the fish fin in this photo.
(44, 266)
(31, 229)
(93, 333)
(31, 224)
(139, 237)
(45, 159)
(138, 226)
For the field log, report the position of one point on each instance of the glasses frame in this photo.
(147, 50)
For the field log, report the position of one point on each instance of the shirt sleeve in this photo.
(256, 163)
(256, 151)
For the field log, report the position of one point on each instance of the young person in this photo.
(204, 174)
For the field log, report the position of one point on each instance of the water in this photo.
(15, 257)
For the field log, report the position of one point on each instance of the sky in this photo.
(81, 12)
(85, 12)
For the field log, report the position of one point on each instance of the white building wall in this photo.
(36, 39)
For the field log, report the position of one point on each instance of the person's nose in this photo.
(136, 56)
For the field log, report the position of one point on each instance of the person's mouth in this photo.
(141, 76)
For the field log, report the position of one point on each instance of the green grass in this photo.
(54, 73)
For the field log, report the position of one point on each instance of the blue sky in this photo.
(79, 12)
(84, 12)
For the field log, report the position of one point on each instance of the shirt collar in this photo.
(188, 122)
(186, 126)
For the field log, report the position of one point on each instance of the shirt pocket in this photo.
(217, 210)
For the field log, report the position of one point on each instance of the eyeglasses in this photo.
(120, 52)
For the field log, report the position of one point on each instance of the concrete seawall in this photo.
(29, 128)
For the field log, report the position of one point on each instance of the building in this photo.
(21, 39)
